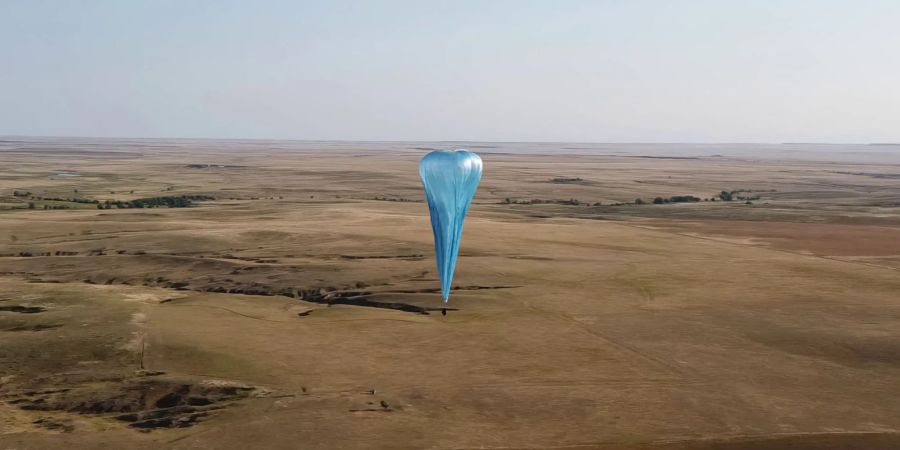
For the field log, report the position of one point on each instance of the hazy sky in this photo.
(555, 70)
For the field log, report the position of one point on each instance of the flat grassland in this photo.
(288, 298)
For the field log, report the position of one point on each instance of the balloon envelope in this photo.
(450, 179)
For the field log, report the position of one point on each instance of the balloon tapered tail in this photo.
(450, 179)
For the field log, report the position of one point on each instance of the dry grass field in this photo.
(294, 303)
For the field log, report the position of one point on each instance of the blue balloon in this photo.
(450, 179)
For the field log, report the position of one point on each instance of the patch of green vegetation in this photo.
(180, 201)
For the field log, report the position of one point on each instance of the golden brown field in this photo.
(297, 306)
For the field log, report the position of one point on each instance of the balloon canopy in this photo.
(450, 178)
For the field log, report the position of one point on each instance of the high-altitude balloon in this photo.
(450, 179)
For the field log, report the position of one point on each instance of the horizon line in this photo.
(27, 136)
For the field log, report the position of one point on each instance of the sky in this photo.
(490, 70)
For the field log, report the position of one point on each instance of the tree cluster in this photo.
(565, 180)
(180, 201)
(732, 195)
(538, 201)
(391, 199)
(675, 199)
